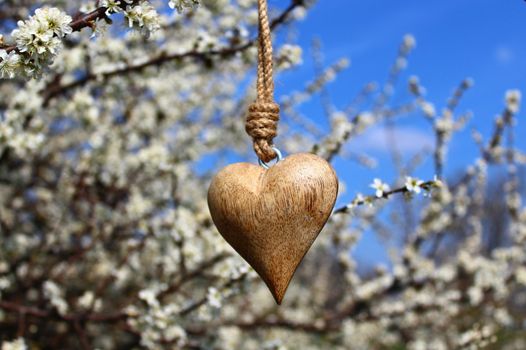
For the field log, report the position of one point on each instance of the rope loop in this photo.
(262, 126)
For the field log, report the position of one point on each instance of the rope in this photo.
(263, 114)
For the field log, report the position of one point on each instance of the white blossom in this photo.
(289, 56)
(17, 344)
(112, 6)
(513, 100)
(380, 187)
(38, 38)
(409, 41)
(56, 296)
(413, 184)
(181, 5)
(143, 16)
(428, 109)
(56, 21)
(9, 64)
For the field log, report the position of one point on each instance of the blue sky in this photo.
(482, 39)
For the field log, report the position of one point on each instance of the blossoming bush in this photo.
(106, 239)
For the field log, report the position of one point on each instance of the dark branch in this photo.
(51, 92)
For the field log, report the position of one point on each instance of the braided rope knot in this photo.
(262, 126)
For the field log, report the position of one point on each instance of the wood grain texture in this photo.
(272, 217)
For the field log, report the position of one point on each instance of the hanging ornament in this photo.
(271, 215)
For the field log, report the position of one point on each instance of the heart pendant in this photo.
(272, 217)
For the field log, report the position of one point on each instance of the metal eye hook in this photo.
(278, 153)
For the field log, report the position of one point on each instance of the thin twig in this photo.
(370, 199)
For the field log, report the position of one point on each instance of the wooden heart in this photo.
(272, 217)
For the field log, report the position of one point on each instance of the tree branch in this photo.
(370, 199)
(52, 92)
(84, 20)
